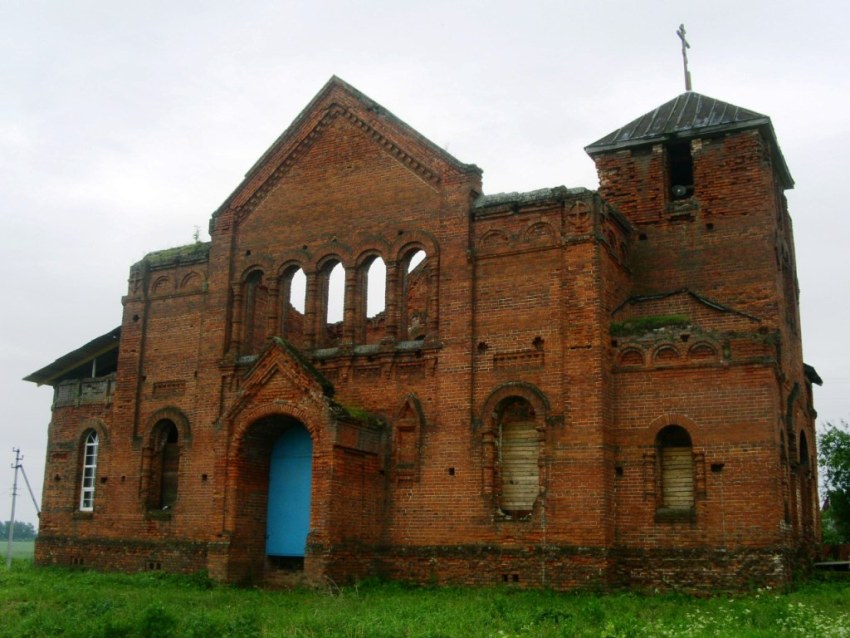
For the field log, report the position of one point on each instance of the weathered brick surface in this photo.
(538, 297)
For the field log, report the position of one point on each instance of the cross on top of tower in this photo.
(685, 47)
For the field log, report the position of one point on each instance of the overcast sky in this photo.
(123, 125)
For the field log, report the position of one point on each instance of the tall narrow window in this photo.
(293, 292)
(680, 170)
(373, 302)
(89, 470)
(677, 468)
(165, 466)
(256, 297)
(519, 453)
(415, 293)
(332, 302)
(170, 467)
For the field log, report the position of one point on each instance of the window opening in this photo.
(256, 298)
(415, 292)
(518, 458)
(298, 290)
(164, 467)
(293, 293)
(90, 446)
(170, 467)
(372, 316)
(677, 468)
(680, 168)
(376, 279)
(335, 304)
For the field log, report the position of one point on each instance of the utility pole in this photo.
(15, 466)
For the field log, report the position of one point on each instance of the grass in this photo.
(20, 549)
(63, 602)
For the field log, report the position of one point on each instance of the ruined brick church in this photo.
(560, 388)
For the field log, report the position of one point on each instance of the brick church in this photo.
(374, 368)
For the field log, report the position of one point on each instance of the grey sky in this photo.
(124, 125)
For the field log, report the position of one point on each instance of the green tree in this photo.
(23, 531)
(834, 459)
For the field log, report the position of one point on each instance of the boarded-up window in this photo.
(518, 458)
(677, 468)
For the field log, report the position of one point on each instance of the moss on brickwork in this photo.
(190, 254)
(642, 325)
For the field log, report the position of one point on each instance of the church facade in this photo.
(559, 388)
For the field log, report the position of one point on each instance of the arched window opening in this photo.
(373, 299)
(333, 302)
(298, 291)
(518, 457)
(255, 301)
(415, 293)
(88, 471)
(165, 466)
(677, 468)
(293, 293)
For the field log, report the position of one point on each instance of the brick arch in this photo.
(702, 350)
(540, 231)
(250, 270)
(269, 409)
(665, 353)
(370, 247)
(192, 280)
(493, 238)
(409, 242)
(176, 416)
(292, 260)
(161, 285)
(673, 418)
(246, 478)
(328, 253)
(528, 391)
(98, 426)
(631, 356)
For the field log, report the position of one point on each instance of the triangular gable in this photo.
(295, 375)
(339, 99)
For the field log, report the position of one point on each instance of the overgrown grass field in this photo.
(20, 549)
(62, 602)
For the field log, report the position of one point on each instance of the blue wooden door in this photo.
(290, 478)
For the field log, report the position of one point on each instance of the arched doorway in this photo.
(290, 482)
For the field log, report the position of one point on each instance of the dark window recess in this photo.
(170, 469)
(680, 167)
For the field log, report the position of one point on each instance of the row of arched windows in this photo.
(368, 302)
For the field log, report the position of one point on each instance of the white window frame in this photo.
(89, 472)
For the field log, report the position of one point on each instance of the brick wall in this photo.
(519, 299)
